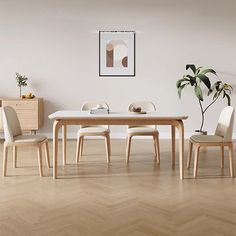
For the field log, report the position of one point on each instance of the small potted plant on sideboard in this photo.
(21, 81)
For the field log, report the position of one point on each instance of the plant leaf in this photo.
(192, 79)
(217, 85)
(224, 93)
(208, 71)
(192, 67)
(205, 80)
(179, 82)
(181, 88)
(198, 93)
(215, 95)
(198, 70)
(228, 99)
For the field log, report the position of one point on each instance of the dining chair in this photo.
(221, 138)
(143, 130)
(93, 130)
(15, 138)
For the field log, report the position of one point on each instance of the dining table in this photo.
(62, 119)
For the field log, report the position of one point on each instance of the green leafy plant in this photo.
(199, 79)
(21, 81)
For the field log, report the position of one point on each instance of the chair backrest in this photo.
(145, 106)
(11, 124)
(225, 124)
(88, 106)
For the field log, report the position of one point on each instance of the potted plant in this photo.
(21, 81)
(199, 79)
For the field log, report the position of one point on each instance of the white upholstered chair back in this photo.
(146, 106)
(11, 124)
(225, 124)
(88, 106)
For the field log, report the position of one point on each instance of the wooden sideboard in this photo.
(30, 112)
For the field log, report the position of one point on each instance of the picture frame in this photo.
(117, 53)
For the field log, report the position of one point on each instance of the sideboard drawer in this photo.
(21, 105)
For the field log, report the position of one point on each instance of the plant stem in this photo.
(212, 102)
(204, 110)
(20, 91)
(202, 113)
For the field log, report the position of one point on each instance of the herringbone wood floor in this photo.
(142, 199)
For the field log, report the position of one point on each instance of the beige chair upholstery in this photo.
(222, 138)
(14, 137)
(93, 130)
(143, 130)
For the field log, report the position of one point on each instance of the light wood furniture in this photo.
(222, 138)
(14, 138)
(64, 118)
(143, 130)
(139, 200)
(29, 111)
(92, 130)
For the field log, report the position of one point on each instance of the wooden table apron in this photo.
(173, 122)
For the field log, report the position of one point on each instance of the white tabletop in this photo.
(65, 114)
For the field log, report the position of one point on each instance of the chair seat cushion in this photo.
(142, 131)
(29, 138)
(93, 131)
(206, 138)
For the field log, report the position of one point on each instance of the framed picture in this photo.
(116, 53)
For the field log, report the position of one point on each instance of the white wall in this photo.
(55, 43)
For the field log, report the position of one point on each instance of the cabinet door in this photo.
(27, 112)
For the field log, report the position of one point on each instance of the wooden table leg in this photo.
(64, 137)
(56, 126)
(180, 126)
(173, 144)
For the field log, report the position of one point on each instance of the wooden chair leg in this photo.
(64, 139)
(40, 160)
(5, 151)
(231, 166)
(196, 161)
(108, 146)
(190, 154)
(173, 145)
(78, 147)
(157, 148)
(14, 156)
(82, 146)
(222, 157)
(128, 148)
(47, 154)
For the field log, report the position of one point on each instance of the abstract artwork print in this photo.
(116, 53)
